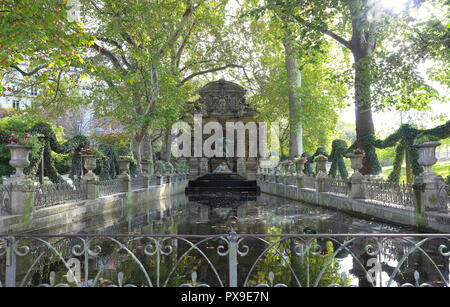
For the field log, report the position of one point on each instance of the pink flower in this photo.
(13, 143)
(28, 135)
(12, 134)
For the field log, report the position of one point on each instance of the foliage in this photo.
(47, 41)
(129, 158)
(108, 167)
(307, 268)
(160, 167)
(338, 150)
(321, 94)
(115, 139)
(422, 138)
(62, 162)
(403, 138)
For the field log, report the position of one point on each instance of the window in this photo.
(33, 91)
(16, 104)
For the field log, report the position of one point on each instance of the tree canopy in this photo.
(140, 61)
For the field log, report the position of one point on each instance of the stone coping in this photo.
(76, 211)
(397, 215)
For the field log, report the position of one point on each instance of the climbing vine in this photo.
(404, 138)
(338, 151)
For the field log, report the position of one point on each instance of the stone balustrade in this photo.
(25, 196)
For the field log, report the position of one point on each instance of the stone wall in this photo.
(406, 216)
(96, 213)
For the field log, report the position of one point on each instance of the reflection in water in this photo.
(271, 259)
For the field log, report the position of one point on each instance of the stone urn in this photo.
(427, 155)
(300, 168)
(124, 165)
(321, 163)
(89, 164)
(19, 158)
(356, 161)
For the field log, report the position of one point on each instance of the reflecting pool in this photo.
(216, 241)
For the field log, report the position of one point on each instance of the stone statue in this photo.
(222, 169)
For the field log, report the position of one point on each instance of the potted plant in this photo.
(20, 146)
(356, 159)
(426, 146)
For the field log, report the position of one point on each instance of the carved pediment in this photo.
(224, 97)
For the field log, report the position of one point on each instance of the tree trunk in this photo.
(136, 144)
(167, 145)
(148, 151)
(362, 49)
(294, 77)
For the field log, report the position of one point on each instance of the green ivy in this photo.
(404, 138)
(308, 165)
(338, 151)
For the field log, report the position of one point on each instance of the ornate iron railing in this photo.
(138, 182)
(58, 193)
(5, 199)
(389, 193)
(109, 187)
(337, 186)
(227, 259)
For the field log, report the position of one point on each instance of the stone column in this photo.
(147, 182)
(300, 174)
(356, 190)
(430, 193)
(321, 185)
(22, 198)
(240, 167)
(92, 188)
(194, 165)
(250, 168)
(204, 166)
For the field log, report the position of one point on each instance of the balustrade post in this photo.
(429, 193)
(321, 184)
(203, 166)
(92, 188)
(22, 198)
(146, 181)
(357, 184)
(126, 182)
